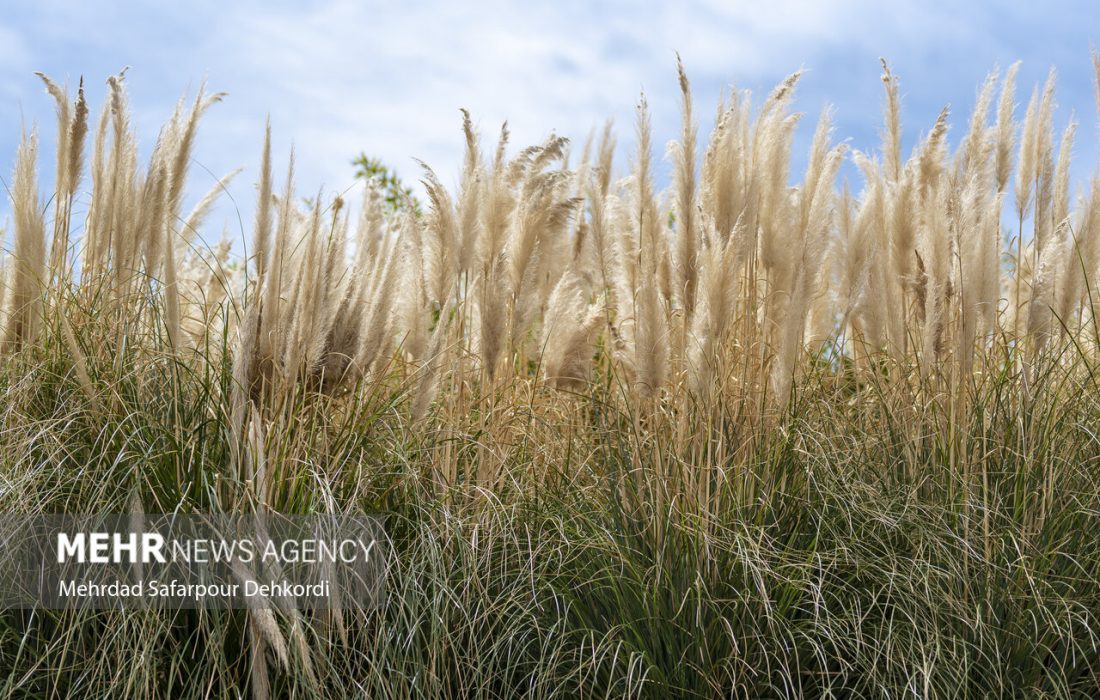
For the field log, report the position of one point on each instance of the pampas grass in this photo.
(24, 300)
(756, 435)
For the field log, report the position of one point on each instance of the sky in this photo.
(388, 78)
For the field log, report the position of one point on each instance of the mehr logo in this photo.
(110, 548)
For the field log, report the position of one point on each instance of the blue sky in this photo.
(339, 77)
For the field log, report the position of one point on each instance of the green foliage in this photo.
(396, 193)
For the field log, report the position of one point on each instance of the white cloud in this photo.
(390, 78)
(343, 76)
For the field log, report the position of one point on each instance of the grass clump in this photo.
(750, 439)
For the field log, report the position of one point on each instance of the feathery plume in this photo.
(261, 236)
(891, 135)
(686, 227)
(64, 125)
(1004, 132)
(1026, 173)
(78, 130)
(24, 308)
